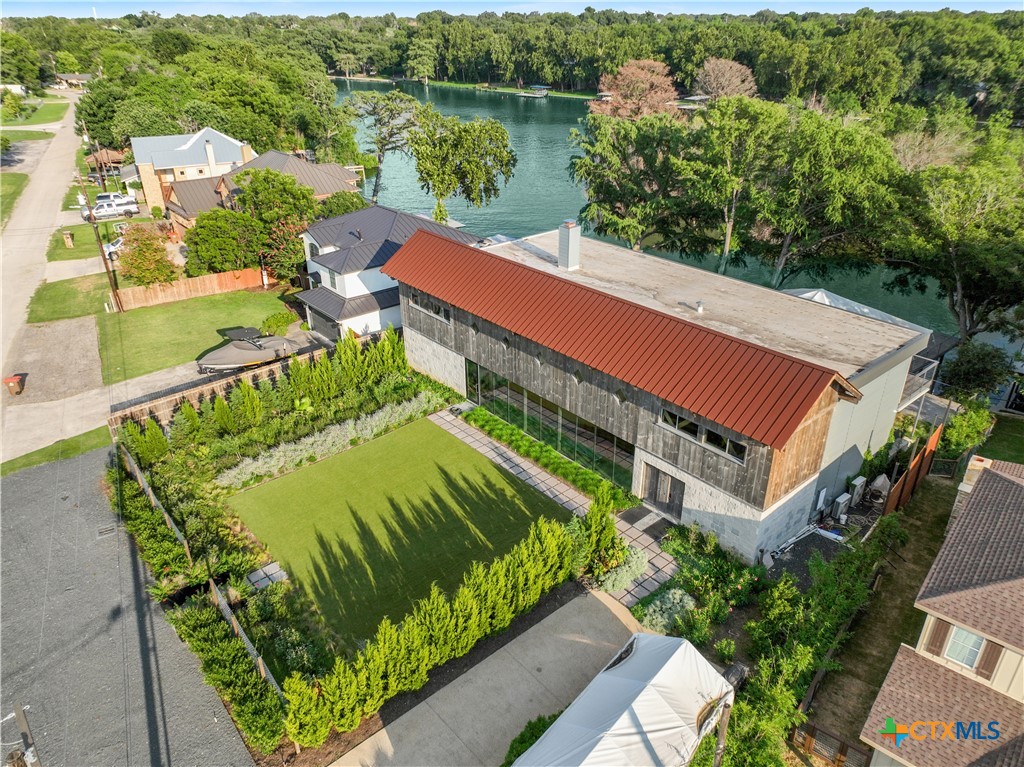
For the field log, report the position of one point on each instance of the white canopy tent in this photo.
(651, 705)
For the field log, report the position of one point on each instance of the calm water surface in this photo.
(541, 195)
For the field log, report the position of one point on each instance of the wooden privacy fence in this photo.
(903, 490)
(161, 405)
(811, 739)
(191, 287)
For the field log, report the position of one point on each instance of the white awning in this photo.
(651, 705)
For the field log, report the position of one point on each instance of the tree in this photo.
(19, 61)
(269, 196)
(463, 159)
(66, 62)
(139, 117)
(282, 248)
(340, 203)
(722, 77)
(422, 59)
(978, 369)
(143, 257)
(390, 117)
(222, 241)
(308, 721)
(638, 88)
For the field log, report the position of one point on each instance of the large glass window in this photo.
(705, 436)
(964, 647)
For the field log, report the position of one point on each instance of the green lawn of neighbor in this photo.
(65, 448)
(1007, 440)
(11, 187)
(48, 112)
(62, 300)
(85, 242)
(366, 532)
(26, 135)
(157, 337)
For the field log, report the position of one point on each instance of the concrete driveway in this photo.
(472, 720)
(106, 678)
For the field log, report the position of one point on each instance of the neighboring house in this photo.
(105, 158)
(957, 698)
(17, 90)
(187, 199)
(716, 401)
(163, 160)
(73, 80)
(344, 259)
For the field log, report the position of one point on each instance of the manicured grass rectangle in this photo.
(26, 135)
(85, 242)
(157, 337)
(1007, 440)
(65, 448)
(11, 187)
(48, 112)
(65, 299)
(366, 532)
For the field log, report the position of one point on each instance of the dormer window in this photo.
(314, 250)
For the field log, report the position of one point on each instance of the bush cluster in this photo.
(227, 667)
(276, 324)
(665, 609)
(965, 430)
(530, 735)
(277, 620)
(632, 567)
(583, 479)
(400, 656)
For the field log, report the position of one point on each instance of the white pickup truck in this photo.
(112, 209)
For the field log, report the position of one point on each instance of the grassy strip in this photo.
(65, 448)
(66, 299)
(26, 135)
(11, 187)
(1007, 440)
(47, 112)
(156, 337)
(85, 242)
(587, 95)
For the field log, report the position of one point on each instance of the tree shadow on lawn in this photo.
(356, 582)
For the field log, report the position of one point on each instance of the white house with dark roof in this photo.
(162, 160)
(344, 256)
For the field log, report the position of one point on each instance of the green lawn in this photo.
(65, 448)
(11, 187)
(26, 135)
(844, 700)
(366, 532)
(1007, 440)
(85, 242)
(48, 112)
(157, 337)
(65, 299)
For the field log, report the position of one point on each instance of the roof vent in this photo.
(700, 307)
(359, 234)
(569, 245)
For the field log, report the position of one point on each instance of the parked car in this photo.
(111, 249)
(112, 210)
(115, 197)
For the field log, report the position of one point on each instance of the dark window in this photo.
(716, 440)
(737, 450)
(473, 381)
(314, 250)
(680, 423)
(621, 397)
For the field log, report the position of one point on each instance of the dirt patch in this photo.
(338, 745)
(24, 156)
(61, 359)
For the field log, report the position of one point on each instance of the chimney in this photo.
(569, 246)
(246, 152)
(211, 161)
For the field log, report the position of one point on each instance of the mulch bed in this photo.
(338, 745)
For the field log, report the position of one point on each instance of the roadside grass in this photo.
(11, 187)
(1007, 440)
(365, 533)
(844, 700)
(64, 299)
(47, 112)
(85, 242)
(156, 337)
(65, 448)
(26, 135)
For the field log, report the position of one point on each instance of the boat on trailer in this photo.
(247, 348)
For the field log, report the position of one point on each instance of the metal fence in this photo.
(811, 739)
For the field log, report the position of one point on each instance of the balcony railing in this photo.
(920, 379)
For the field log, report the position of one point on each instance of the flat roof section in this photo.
(836, 339)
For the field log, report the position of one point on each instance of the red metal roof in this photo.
(758, 392)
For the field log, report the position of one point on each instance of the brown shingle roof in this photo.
(323, 178)
(194, 197)
(920, 690)
(755, 391)
(1008, 469)
(977, 579)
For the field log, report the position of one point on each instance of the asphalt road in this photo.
(107, 680)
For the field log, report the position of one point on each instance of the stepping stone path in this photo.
(266, 575)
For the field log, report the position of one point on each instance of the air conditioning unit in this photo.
(857, 487)
(841, 506)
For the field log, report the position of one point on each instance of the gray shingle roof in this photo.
(195, 197)
(183, 150)
(919, 689)
(384, 230)
(977, 577)
(339, 308)
(322, 178)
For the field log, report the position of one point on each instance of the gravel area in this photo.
(83, 645)
(61, 359)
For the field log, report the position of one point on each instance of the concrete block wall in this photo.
(434, 360)
(787, 517)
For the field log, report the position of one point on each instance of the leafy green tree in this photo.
(389, 116)
(978, 369)
(66, 62)
(140, 117)
(95, 110)
(19, 61)
(269, 196)
(340, 689)
(340, 203)
(422, 59)
(308, 718)
(143, 257)
(966, 429)
(463, 159)
(222, 241)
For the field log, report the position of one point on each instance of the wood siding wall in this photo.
(800, 459)
(596, 399)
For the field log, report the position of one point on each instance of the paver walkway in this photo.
(641, 527)
(472, 720)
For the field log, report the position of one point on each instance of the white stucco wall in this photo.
(364, 282)
(373, 322)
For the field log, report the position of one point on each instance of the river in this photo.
(541, 195)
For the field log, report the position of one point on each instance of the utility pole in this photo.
(99, 244)
(30, 756)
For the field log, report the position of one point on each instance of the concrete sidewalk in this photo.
(473, 720)
(67, 270)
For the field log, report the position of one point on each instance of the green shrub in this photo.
(621, 576)
(696, 627)
(156, 211)
(225, 418)
(148, 445)
(308, 718)
(277, 324)
(965, 430)
(726, 650)
(342, 695)
(718, 609)
(531, 734)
